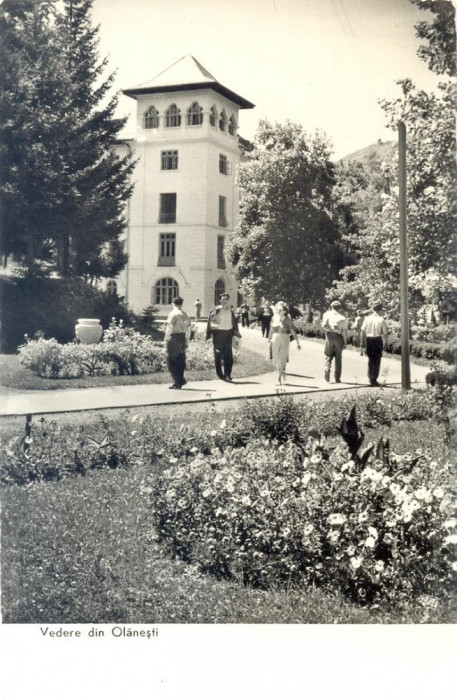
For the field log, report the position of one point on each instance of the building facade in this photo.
(185, 199)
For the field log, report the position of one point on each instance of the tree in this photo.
(64, 188)
(431, 196)
(285, 244)
(440, 52)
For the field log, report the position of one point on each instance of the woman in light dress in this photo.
(280, 331)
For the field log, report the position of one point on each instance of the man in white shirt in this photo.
(178, 323)
(374, 334)
(222, 326)
(335, 326)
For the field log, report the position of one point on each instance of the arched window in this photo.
(222, 120)
(151, 118)
(111, 287)
(195, 115)
(232, 126)
(164, 291)
(173, 116)
(219, 288)
(213, 116)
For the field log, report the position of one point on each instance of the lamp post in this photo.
(404, 316)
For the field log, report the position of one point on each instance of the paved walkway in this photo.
(305, 376)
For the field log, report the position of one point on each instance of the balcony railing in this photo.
(167, 218)
(166, 261)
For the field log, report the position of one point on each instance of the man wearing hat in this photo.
(335, 326)
(374, 333)
(178, 323)
(222, 326)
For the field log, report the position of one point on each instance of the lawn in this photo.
(84, 550)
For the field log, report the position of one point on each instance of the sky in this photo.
(321, 63)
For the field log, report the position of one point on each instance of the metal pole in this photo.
(405, 366)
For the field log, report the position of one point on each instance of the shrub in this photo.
(53, 307)
(121, 351)
(286, 514)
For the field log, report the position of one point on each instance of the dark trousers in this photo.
(223, 354)
(374, 354)
(245, 319)
(265, 321)
(176, 357)
(333, 349)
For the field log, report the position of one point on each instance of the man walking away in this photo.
(244, 311)
(178, 323)
(374, 335)
(222, 326)
(266, 314)
(335, 326)
(198, 309)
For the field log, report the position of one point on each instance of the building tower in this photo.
(185, 200)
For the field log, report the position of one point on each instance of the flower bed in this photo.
(299, 513)
(122, 351)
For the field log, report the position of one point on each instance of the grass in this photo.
(83, 550)
(13, 376)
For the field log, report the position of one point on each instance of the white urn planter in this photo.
(88, 330)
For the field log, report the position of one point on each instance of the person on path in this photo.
(244, 311)
(281, 328)
(178, 324)
(358, 329)
(374, 334)
(335, 326)
(222, 326)
(266, 314)
(198, 309)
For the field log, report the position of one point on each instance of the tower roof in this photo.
(186, 74)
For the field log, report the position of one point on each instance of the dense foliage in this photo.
(63, 186)
(286, 244)
(51, 307)
(297, 513)
(366, 199)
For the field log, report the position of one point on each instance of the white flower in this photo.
(386, 481)
(223, 424)
(356, 562)
(363, 517)
(246, 501)
(333, 536)
(438, 492)
(450, 539)
(350, 550)
(395, 489)
(379, 565)
(213, 433)
(372, 474)
(454, 566)
(370, 542)
(305, 479)
(422, 493)
(207, 493)
(373, 532)
(308, 529)
(450, 524)
(230, 487)
(336, 519)
(173, 460)
(315, 459)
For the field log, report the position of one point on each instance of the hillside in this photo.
(376, 152)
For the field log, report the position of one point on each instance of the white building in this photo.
(185, 199)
